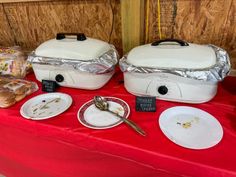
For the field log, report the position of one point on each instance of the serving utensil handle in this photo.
(131, 124)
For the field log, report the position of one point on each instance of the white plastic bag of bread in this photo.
(13, 90)
(13, 62)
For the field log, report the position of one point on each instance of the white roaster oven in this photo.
(74, 60)
(175, 70)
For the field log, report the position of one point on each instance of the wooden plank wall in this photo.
(198, 21)
(30, 23)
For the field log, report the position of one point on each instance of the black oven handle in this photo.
(79, 36)
(180, 42)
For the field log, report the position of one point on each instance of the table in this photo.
(61, 146)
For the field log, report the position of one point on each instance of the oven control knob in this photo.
(59, 78)
(162, 90)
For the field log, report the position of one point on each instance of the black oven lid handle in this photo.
(79, 36)
(180, 42)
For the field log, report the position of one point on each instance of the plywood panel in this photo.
(5, 30)
(116, 36)
(228, 40)
(10, 1)
(34, 22)
(198, 21)
(168, 9)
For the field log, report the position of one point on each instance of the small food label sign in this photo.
(49, 86)
(145, 104)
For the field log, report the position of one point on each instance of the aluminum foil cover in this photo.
(212, 74)
(103, 64)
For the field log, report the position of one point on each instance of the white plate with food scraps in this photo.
(191, 127)
(46, 106)
(91, 117)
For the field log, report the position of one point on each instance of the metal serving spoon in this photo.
(103, 105)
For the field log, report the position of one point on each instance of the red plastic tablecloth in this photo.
(61, 146)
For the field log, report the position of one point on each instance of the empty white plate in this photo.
(46, 106)
(190, 127)
(92, 117)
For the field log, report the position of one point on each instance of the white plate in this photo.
(190, 127)
(46, 106)
(92, 117)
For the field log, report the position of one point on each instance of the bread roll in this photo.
(7, 98)
(13, 90)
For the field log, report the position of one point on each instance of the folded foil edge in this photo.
(101, 65)
(214, 73)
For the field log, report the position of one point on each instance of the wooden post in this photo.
(132, 22)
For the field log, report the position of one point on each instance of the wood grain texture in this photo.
(116, 36)
(5, 30)
(34, 22)
(132, 13)
(167, 10)
(11, 1)
(198, 21)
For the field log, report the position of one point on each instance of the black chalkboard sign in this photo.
(49, 86)
(145, 104)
